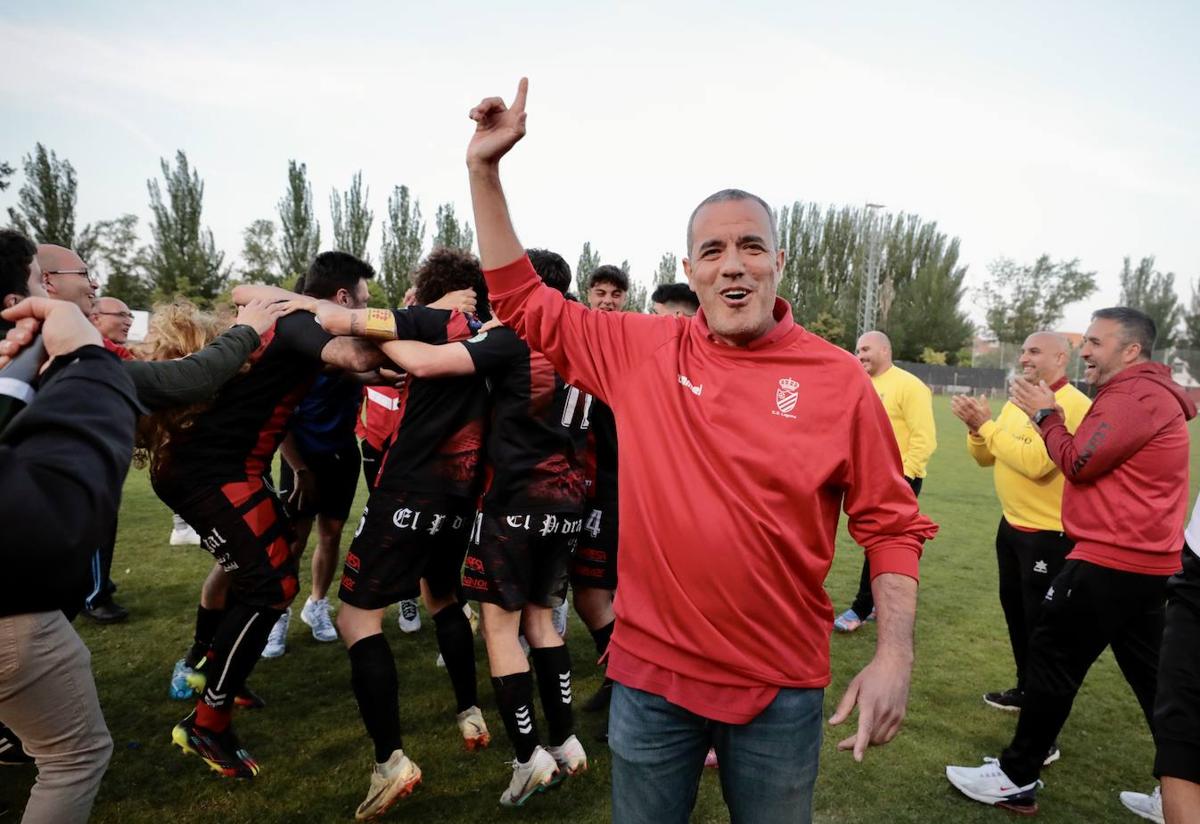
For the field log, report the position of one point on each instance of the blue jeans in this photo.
(767, 767)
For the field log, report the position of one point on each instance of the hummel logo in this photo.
(1040, 566)
(685, 381)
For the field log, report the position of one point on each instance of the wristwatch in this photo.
(1041, 415)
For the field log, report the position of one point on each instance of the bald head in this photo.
(113, 318)
(875, 352)
(66, 276)
(1044, 357)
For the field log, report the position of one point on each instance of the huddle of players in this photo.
(490, 460)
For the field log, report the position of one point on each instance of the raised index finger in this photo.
(518, 104)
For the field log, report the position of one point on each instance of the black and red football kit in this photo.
(536, 484)
(419, 515)
(594, 563)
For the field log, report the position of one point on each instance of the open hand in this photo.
(974, 412)
(462, 300)
(497, 128)
(1029, 397)
(260, 315)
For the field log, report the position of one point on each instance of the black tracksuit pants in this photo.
(1087, 608)
(1177, 703)
(1028, 563)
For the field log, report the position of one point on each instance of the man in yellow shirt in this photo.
(909, 405)
(1031, 547)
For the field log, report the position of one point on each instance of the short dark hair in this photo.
(727, 195)
(551, 268)
(448, 270)
(1136, 327)
(675, 293)
(331, 271)
(609, 274)
(16, 254)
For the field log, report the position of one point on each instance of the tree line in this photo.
(921, 279)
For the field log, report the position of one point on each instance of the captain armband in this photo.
(381, 324)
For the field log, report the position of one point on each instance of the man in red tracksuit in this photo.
(722, 631)
(1123, 507)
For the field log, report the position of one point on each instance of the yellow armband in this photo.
(381, 324)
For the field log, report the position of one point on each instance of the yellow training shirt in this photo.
(909, 405)
(1028, 484)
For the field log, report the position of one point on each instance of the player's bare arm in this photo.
(426, 360)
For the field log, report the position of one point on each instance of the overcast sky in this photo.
(1021, 128)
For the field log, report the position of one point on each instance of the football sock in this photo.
(553, 668)
(514, 699)
(376, 688)
(458, 651)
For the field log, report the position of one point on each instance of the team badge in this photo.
(786, 396)
(480, 338)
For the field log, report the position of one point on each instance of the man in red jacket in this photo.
(1123, 507)
(722, 631)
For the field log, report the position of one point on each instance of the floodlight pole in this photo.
(868, 299)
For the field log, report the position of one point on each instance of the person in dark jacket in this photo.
(63, 460)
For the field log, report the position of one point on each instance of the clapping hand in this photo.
(974, 412)
(1029, 397)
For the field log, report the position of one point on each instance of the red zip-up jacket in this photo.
(734, 464)
(1127, 472)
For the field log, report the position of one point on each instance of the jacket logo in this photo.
(786, 396)
(696, 389)
(1041, 566)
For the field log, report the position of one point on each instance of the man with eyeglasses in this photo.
(66, 277)
(113, 318)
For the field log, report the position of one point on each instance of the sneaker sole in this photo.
(179, 738)
(1001, 707)
(400, 791)
(478, 742)
(540, 788)
(1030, 808)
(563, 774)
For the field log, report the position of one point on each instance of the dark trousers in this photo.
(1177, 703)
(1028, 563)
(102, 585)
(1087, 608)
(864, 601)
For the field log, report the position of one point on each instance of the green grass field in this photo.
(316, 756)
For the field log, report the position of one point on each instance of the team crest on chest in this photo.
(786, 396)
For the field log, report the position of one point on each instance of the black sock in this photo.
(514, 699)
(458, 651)
(602, 636)
(207, 623)
(236, 648)
(553, 668)
(376, 688)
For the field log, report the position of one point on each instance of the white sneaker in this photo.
(559, 617)
(410, 616)
(989, 785)
(182, 533)
(474, 729)
(277, 640)
(570, 758)
(389, 782)
(530, 777)
(1147, 806)
(440, 663)
(316, 615)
